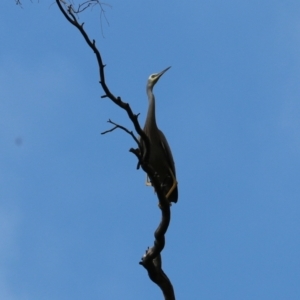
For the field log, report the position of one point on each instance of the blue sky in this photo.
(75, 214)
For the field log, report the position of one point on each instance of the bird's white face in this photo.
(153, 78)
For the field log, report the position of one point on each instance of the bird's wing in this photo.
(167, 150)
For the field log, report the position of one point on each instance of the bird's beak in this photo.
(162, 72)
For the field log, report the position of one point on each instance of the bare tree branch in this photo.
(18, 2)
(123, 128)
(92, 44)
(81, 7)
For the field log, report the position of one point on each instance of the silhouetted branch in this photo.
(92, 44)
(151, 259)
(86, 4)
(123, 128)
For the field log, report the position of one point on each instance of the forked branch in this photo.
(123, 128)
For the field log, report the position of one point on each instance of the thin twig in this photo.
(123, 128)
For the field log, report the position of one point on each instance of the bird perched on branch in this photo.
(160, 156)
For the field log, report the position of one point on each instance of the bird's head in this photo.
(153, 78)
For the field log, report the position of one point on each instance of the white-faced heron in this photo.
(160, 156)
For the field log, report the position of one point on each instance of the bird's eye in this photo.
(152, 76)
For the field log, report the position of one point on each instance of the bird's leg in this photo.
(175, 183)
(148, 181)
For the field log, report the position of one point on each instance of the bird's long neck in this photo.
(151, 120)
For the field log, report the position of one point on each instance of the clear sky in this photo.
(75, 214)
